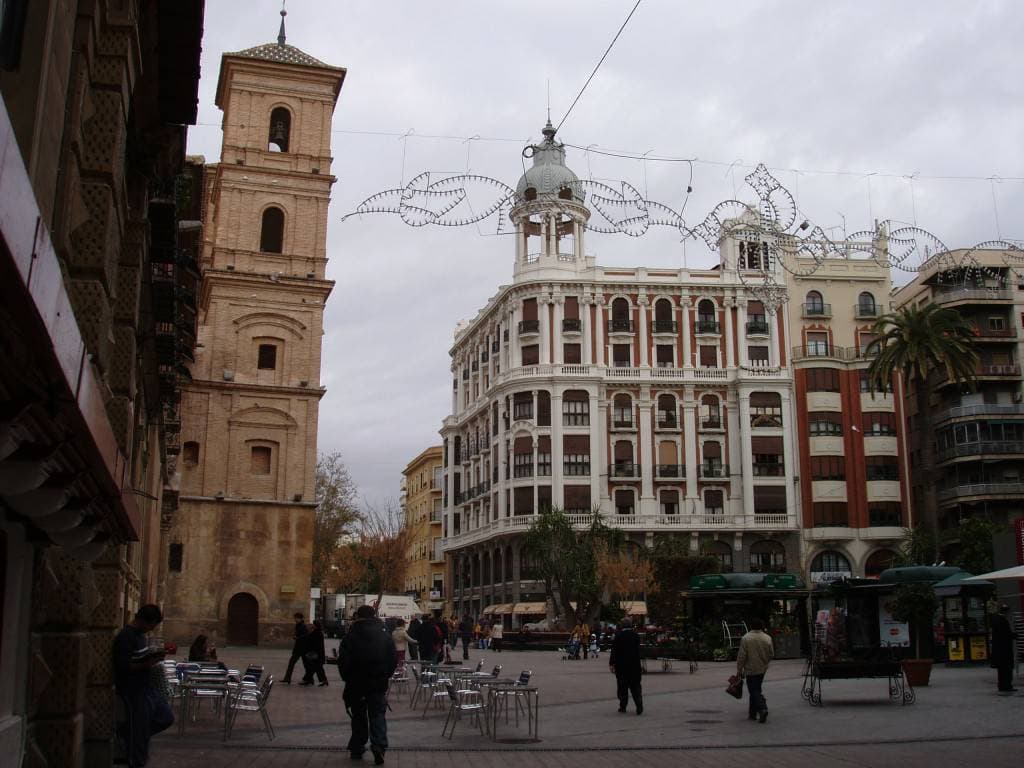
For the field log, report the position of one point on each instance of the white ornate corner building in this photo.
(662, 398)
(240, 551)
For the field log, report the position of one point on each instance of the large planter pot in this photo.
(918, 671)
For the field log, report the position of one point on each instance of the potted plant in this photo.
(916, 604)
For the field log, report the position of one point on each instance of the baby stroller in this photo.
(573, 651)
(594, 649)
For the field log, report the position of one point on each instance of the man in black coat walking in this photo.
(368, 659)
(624, 662)
(299, 648)
(1002, 648)
(466, 630)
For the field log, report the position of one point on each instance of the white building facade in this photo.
(657, 397)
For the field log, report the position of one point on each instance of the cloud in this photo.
(925, 86)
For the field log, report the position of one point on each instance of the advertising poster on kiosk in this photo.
(890, 631)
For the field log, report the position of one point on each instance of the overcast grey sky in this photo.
(825, 92)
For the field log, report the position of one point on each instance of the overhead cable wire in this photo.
(599, 63)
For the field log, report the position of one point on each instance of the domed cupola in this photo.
(549, 214)
(549, 176)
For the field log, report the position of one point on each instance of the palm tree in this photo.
(914, 342)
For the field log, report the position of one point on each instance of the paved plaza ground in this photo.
(688, 719)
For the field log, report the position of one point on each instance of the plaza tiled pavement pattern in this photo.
(958, 720)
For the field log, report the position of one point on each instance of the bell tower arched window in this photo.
(280, 130)
(272, 231)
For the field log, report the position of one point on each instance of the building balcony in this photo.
(757, 328)
(777, 520)
(768, 469)
(528, 327)
(970, 296)
(667, 420)
(815, 310)
(713, 471)
(620, 326)
(624, 470)
(995, 334)
(623, 422)
(673, 471)
(572, 325)
(975, 411)
(824, 351)
(664, 326)
(711, 423)
(705, 327)
(866, 311)
(981, 448)
(997, 371)
(978, 491)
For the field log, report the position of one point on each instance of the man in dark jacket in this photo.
(466, 631)
(298, 648)
(1002, 648)
(624, 661)
(430, 639)
(368, 659)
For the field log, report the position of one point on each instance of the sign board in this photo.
(1018, 535)
(979, 649)
(780, 581)
(435, 594)
(709, 581)
(890, 631)
(955, 649)
(397, 607)
(827, 577)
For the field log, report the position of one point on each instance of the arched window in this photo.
(622, 407)
(879, 561)
(272, 231)
(663, 322)
(767, 557)
(831, 562)
(714, 504)
(711, 453)
(866, 305)
(280, 130)
(706, 310)
(710, 415)
(624, 501)
(815, 303)
(620, 322)
(667, 411)
(722, 552)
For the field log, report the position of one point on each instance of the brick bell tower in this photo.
(238, 555)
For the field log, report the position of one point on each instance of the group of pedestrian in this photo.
(308, 648)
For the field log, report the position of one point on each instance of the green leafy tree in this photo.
(566, 560)
(674, 565)
(970, 545)
(916, 604)
(336, 515)
(920, 546)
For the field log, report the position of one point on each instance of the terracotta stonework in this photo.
(249, 426)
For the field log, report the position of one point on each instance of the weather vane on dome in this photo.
(797, 246)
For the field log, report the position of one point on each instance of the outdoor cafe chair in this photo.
(480, 665)
(424, 683)
(502, 695)
(209, 684)
(255, 671)
(471, 702)
(250, 698)
(399, 680)
(435, 693)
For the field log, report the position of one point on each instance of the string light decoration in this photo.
(769, 229)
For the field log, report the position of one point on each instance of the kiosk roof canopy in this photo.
(715, 581)
(910, 573)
